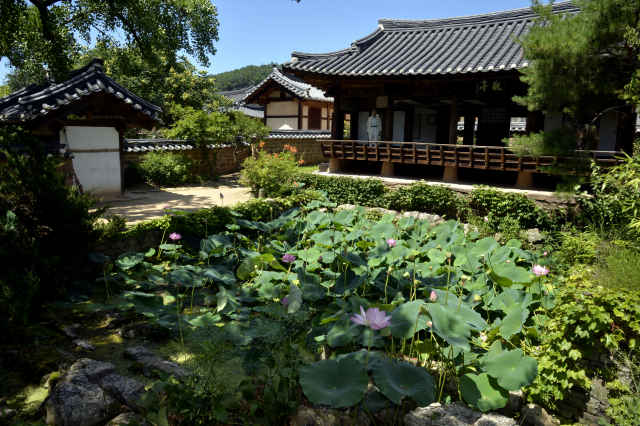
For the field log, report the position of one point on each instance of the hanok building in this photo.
(422, 76)
(297, 112)
(83, 119)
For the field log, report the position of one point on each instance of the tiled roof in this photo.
(39, 99)
(238, 96)
(300, 134)
(469, 44)
(289, 82)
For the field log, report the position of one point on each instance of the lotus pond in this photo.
(282, 296)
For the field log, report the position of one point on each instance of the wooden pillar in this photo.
(354, 126)
(337, 121)
(453, 121)
(469, 134)
(300, 116)
(408, 123)
(390, 116)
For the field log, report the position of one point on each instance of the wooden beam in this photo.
(300, 117)
(453, 121)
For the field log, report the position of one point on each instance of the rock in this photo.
(6, 413)
(535, 236)
(115, 323)
(469, 228)
(326, 416)
(514, 406)
(456, 414)
(534, 415)
(126, 418)
(125, 334)
(90, 393)
(84, 344)
(323, 167)
(151, 362)
(262, 193)
(71, 331)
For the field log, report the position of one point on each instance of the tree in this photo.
(208, 128)
(249, 130)
(167, 82)
(45, 34)
(249, 75)
(581, 63)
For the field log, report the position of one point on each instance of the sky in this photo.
(255, 32)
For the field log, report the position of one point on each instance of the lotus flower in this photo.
(391, 242)
(320, 258)
(164, 207)
(433, 297)
(486, 219)
(221, 195)
(540, 270)
(175, 236)
(545, 253)
(285, 301)
(483, 337)
(373, 318)
(288, 258)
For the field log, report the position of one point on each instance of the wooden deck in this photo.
(473, 157)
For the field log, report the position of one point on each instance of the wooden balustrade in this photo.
(474, 157)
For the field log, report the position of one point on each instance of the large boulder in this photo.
(90, 393)
(456, 414)
(126, 419)
(151, 362)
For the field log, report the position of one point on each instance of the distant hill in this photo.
(243, 77)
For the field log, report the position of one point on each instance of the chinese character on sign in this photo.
(496, 86)
(484, 85)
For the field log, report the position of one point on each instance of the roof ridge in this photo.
(481, 18)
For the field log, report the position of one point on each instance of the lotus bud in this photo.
(433, 296)
(423, 310)
(407, 275)
(431, 268)
(416, 283)
(390, 269)
(447, 255)
(439, 247)
(482, 256)
(477, 298)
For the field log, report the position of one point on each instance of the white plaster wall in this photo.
(363, 116)
(275, 94)
(99, 171)
(305, 124)
(305, 110)
(553, 121)
(608, 131)
(427, 133)
(282, 108)
(283, 123)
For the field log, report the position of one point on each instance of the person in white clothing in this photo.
(374, 125)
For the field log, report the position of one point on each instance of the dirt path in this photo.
(147, 202)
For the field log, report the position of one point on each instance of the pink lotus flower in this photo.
(540, 270)
(486, 219)
(391, 242)
(285, 301)
(221, 195)
(164, 207)
(288, 258)
(175, 236)
(544, 254)
(433, 297)
(374, 318)
(508, 261)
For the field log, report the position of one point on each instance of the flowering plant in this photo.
(274, 172)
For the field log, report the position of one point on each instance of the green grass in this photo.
(308, 169)
(619, 268)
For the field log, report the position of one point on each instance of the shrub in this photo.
(166, 168)
(344, 189)
(425, 197)
(52, 222)
(274, 173)
(577, 248)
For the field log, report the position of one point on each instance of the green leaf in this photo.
(342, 332)
(513, 322)
(295, 299)
(513, 369)
(399, 379)
(129, 260)
(220, 274)
(507, 274)
(206, 319)
(336, 383)
(483, 392)
(484, 247)
(383, 229)
(451, 327)
(313, 292)
(248, 267)
(98, 258)
(403, 319)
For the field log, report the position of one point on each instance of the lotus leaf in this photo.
(449, 326)
(403, 319)
(336, 383)
(507, 274)
(313, 292)
(513, 322)
(146, 285)
(206, 319)
(129, 260)
(484, 247)
(399, 379)
(343, 331)
(513, 369)
(483, 392)
(361, 357)
(295, 299)
(98, 258)
(150, 305)
(374, 403)
(220, 274)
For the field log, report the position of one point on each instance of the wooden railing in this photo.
(474, 157)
